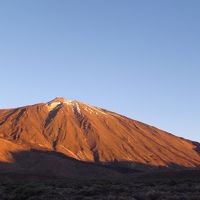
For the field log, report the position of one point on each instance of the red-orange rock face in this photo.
(89, 133)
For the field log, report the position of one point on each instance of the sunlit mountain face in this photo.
(85, 133)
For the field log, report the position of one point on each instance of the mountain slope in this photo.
(88, 133)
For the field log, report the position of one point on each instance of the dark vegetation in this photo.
(179, 185)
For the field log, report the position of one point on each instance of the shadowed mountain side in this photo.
(47, 164)
(53, 164)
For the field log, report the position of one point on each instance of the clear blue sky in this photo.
(140, 58)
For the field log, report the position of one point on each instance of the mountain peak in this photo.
(58, 99)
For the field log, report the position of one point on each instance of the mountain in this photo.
(86, 134)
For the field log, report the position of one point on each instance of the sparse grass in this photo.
(126, 189)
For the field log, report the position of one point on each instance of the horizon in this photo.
(138, 59)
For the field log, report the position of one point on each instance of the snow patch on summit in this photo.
(93, 110)
(53, 105)
(58, 102)
(76, 108)
(68, 102)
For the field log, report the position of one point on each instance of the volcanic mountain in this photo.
(85, 133)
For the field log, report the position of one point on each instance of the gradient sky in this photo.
(139, 58)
